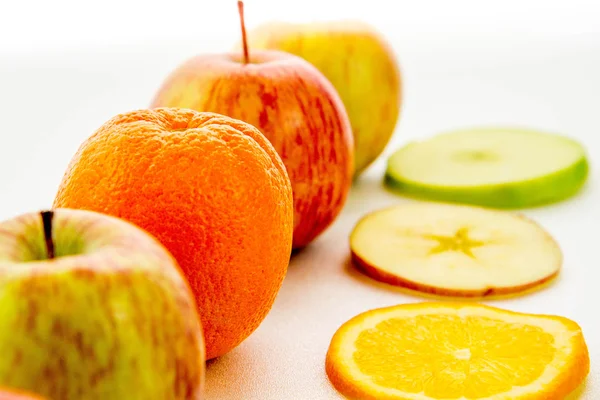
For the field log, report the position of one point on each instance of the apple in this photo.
(10, 394)
(293, 105)
(360, 64)
(497, 167)
(454, 250)
(93, 307)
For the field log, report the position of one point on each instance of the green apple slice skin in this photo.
(543, 189)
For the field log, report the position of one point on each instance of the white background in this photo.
(68, 66)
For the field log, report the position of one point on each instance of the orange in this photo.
(14, 394)
(212, 189)
(449, 351)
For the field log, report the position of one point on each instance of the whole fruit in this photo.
(12, 394)
(361, 65)
(213, 190)
(294, 106)
(92, 307)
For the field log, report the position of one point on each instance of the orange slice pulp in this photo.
(449, 351)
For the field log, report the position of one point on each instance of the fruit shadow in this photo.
(243, 363)
(353, 271)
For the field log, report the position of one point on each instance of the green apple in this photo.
(92, 307)
(359, 63)
(499, 167)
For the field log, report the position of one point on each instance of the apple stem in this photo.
(47, 222)
(243, 25)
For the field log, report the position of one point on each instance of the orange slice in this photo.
(456, 351)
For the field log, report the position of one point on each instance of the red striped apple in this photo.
(92, 307)
(294, 106)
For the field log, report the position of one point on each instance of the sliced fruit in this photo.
(454, 250)
(456, 351)
(495, 167)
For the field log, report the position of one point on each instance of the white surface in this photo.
(527, 63)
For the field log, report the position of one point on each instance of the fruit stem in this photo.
(47, 222)
(243, 26)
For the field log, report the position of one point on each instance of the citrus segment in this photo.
(495, 167)
(456, 351)
(454, 250)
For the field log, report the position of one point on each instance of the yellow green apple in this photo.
(360, 64)
(93, 307)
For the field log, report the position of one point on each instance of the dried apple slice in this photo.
(454, 250)
(494, 167)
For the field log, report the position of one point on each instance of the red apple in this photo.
(294, 106)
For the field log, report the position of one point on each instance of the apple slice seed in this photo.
(454, 250)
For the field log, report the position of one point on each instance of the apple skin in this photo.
(424, 289)
(294, 106)
(359, 63)
(110, 317)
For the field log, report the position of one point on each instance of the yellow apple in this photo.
(359, 63)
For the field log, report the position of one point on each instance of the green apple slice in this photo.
(454, 250)
(494, 167)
